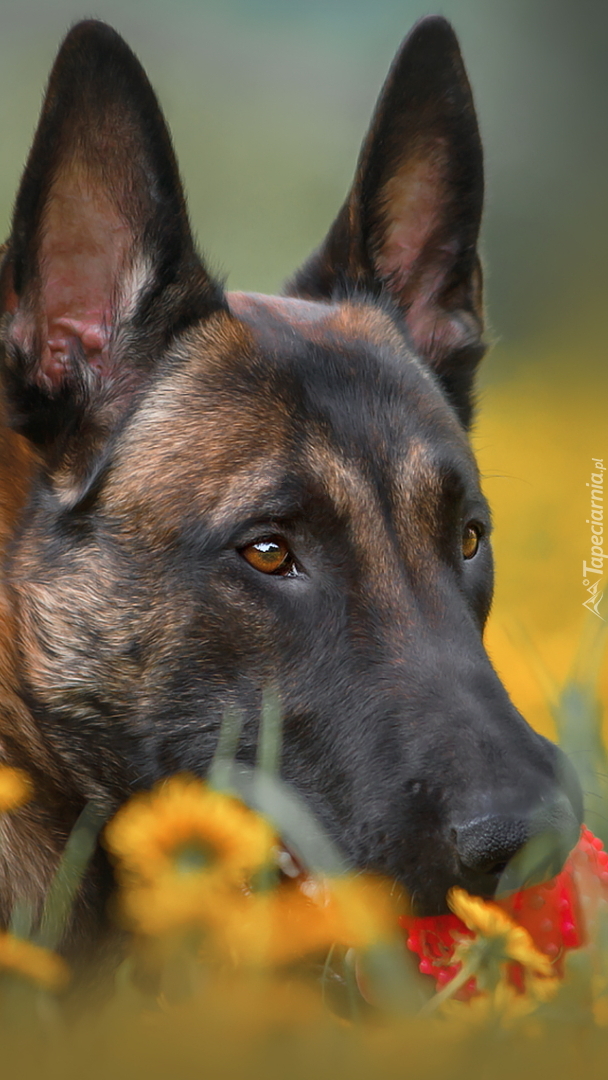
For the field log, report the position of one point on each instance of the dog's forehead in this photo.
(355, 373)
(316, 321)
(281, 387)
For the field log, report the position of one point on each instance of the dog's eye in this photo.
(270, 555)
(471, 535)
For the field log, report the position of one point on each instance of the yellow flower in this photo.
(269, 927)
(33, 962)
(15, 788)
(488, 920)
(185, 828)
(173, 902)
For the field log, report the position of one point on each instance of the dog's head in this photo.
(239, 491)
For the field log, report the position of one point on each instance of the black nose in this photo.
(487, 844)
(535, 846)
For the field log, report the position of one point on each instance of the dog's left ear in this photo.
(100, 273)
(410, 224)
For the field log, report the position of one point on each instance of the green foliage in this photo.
(578, 721)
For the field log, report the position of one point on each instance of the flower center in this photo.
(193, 856)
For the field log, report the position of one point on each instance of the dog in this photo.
(205, 494)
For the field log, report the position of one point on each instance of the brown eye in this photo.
(471, 535)
(270, 556)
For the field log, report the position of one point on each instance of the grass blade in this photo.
(76, 857)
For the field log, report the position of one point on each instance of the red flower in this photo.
(553, 914)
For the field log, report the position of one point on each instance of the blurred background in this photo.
(268, 101)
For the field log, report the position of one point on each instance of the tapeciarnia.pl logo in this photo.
(594, 570)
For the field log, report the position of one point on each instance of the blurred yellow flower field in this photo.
(534, 439)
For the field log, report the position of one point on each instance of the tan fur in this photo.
(28, 850)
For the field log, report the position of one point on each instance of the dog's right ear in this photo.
(409, 227)
(100, 271)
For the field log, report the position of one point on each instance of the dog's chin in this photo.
(499, 885)
(430, 902)
(428, 887)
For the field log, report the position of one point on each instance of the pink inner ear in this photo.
(413, 209)
(414, 255)
(84, 246)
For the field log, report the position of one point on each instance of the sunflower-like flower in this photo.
(41, 966)
(489, 921)
(265, 927)
(192, 859)
(15, 788)
(182, 829)
(177, 902)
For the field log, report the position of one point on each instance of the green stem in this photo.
(450, 989)
(227, 744)
(325, 973)
(269, 744)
